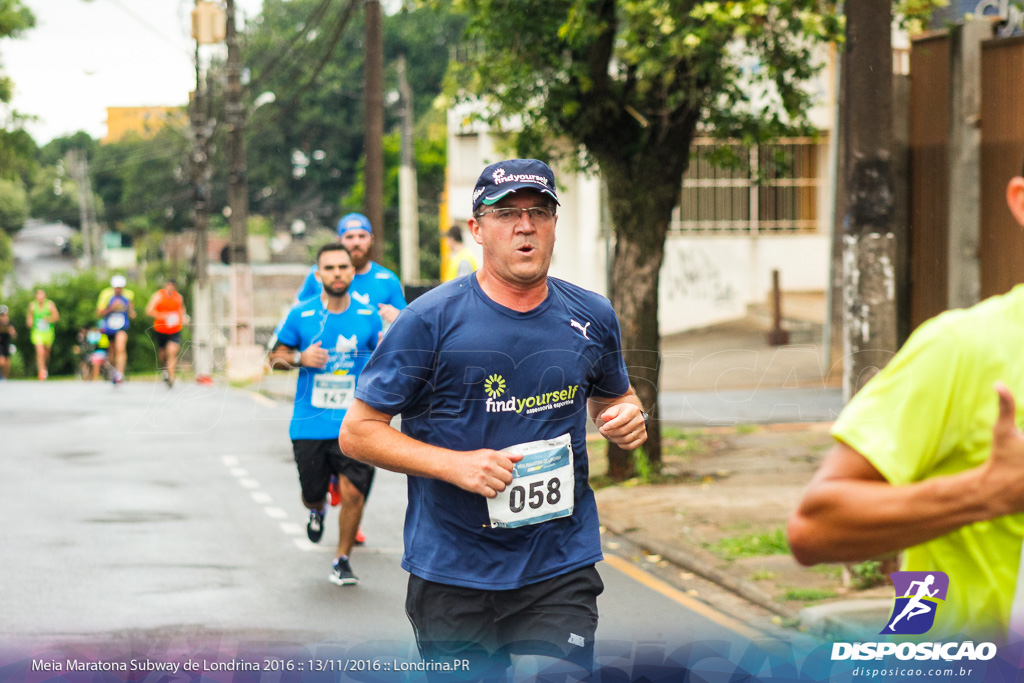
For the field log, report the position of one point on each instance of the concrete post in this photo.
(965, 162)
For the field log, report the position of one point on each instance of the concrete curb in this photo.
(702, 563)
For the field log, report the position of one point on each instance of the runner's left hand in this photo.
(623, 425)
(388, 312)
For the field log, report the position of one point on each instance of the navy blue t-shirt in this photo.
(322, 396)
(466, 373)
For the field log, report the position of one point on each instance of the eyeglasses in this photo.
(510, 216)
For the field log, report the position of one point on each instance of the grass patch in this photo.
(746, 429)
(751, 545)
(764, 575)
(867, 575)
(832, 571)
(808, 594)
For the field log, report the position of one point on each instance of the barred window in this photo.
(776, 193)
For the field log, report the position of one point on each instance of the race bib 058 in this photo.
(542, 488)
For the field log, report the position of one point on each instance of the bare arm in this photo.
(850, 512)
(151, 305)
(367, 435)
(283, 357)
(620, 420)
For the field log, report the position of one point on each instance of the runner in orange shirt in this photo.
(167, 309)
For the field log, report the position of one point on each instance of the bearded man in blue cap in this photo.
(374, 285)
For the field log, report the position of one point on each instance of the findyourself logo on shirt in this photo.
(497, 402)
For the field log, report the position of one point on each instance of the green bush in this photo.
(75, 296)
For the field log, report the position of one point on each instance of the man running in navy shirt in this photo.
(494, 375)
(329, 339)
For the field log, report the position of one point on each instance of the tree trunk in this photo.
(641, 208)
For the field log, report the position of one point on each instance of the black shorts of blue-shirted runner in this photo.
(318, 459)
(552, 618)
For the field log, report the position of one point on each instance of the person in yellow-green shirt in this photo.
(460, 259)
(42, 314)
(929, 461)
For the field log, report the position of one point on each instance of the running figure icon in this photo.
(915, 606)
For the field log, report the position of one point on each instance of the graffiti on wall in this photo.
(690, 273)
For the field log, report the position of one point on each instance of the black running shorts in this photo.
(555, 618)
(163, 338)
(318, 459)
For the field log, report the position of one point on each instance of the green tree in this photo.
(147, 178)
(429, 147)
(624, 85)
(305, 149)
(13, 205)
(15, 19)
(17, 149)
(54, 197)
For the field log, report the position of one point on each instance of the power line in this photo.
(339, 30)
(153, 29)
(311, 23)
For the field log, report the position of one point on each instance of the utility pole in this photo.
(242, 333)
(869, 244)
(408, 199)
(78, 167)
(373, 142)
(202, 315)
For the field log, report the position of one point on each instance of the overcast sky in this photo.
(86, 55)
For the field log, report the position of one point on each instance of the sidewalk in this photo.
(745, 426)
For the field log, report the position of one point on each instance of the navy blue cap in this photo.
(511, 175)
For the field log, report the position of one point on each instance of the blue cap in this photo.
(512, 175)
(354, 221)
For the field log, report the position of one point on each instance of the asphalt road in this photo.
(168, 521)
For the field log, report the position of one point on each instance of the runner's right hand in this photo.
(484, 471)
(315, 356)
(1004, 470)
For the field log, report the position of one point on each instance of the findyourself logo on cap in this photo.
(919, 595)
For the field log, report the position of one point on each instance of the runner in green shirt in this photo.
(42, 314)
(929, 461)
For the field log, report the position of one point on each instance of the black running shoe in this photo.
(315, 526)
(342, 574)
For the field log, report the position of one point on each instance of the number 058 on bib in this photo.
(542, 488)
